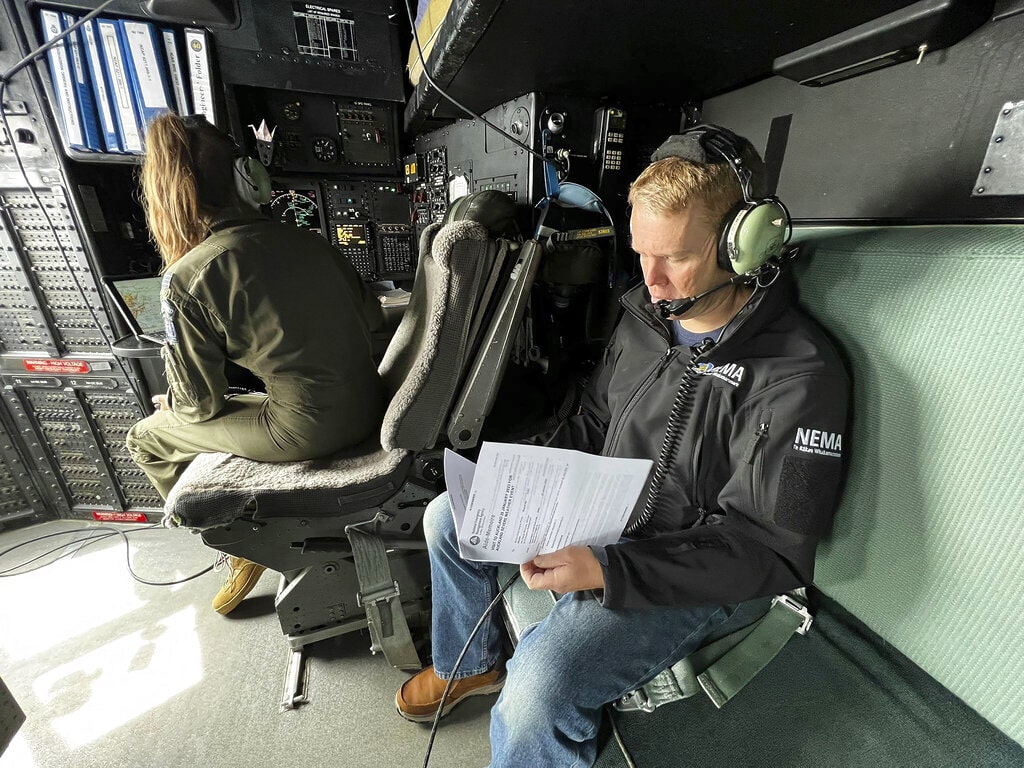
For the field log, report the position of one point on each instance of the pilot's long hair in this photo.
(186, 179)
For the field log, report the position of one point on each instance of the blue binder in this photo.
(64, 89)
(109, 32)
(83, 88)
(172, 53)
(147, 73)
(101, 89)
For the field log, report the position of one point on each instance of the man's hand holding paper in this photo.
(572, 569)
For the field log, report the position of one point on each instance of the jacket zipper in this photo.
(670, 353)
(752, 455)
(763, 421)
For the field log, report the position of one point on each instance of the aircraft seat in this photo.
(345, 531)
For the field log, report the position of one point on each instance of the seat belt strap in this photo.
(680, 680)
(380, 597)
(727, 676)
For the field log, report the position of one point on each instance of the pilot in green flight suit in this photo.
(271, 298)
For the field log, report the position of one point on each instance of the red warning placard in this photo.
(57, 365)
(120, 517)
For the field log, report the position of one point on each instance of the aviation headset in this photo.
(252, 181)
(758, 227)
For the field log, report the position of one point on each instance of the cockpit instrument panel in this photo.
(317, 133)
(297, 205)
(369, 221)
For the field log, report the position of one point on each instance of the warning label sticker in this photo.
(45, 365)
(120, 517)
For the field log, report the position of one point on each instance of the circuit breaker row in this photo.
(19, 497)
(49, 300)
(74, 431)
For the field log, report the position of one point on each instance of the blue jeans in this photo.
(565, 668)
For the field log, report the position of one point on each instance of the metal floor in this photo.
(115, 673)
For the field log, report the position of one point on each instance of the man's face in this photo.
(678, 254)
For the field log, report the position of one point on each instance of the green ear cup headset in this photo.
(759, 226)
(252, 182)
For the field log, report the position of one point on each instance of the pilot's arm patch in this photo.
(167, 310)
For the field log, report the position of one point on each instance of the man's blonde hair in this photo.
(670, 185)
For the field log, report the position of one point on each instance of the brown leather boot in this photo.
(243, 577)
(417, 700)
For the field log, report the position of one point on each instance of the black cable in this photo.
(467, 110)
(6, 573)
(458, 661)
(86, 541)
(681, 407)
(50, 43)
(618, 737)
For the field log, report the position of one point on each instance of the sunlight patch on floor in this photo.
(46, 608)
(111, 686)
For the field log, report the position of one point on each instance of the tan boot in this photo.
(243, 577)
(417, 700)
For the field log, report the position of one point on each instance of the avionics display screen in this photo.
(351, 234)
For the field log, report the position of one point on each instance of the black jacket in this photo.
(755, 480)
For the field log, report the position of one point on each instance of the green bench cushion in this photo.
(928, 545)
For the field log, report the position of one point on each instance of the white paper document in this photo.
(519, 501)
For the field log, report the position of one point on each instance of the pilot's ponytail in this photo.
(169, 194)
(187, 179)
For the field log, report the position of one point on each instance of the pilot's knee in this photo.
(135, 442)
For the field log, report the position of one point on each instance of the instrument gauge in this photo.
(325, 149)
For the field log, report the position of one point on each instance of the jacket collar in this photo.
(234, 215)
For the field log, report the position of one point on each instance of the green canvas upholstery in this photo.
(928, 545)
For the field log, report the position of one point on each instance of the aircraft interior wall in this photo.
(907, 142)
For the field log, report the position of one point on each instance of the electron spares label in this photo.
(45, 365)
(324, 31)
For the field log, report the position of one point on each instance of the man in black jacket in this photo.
(739, 398)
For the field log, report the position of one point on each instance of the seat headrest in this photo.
(491, 208)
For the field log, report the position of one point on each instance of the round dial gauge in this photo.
(296, 208)
(324, 149)
(293, 111)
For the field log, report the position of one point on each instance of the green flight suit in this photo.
(285, 305)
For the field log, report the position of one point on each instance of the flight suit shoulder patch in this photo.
(167, 309)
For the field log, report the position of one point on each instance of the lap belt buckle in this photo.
(634, 701)
(799, 608)
(380, 596)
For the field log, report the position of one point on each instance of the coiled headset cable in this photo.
(682, 406)
(93, 535)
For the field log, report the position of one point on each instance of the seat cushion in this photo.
(218, 487)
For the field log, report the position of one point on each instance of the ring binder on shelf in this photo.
(101, 88)
(124, 103)
(84, 100)
(63, 81)
(145, 67)
(197, 44)
(173, 57)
